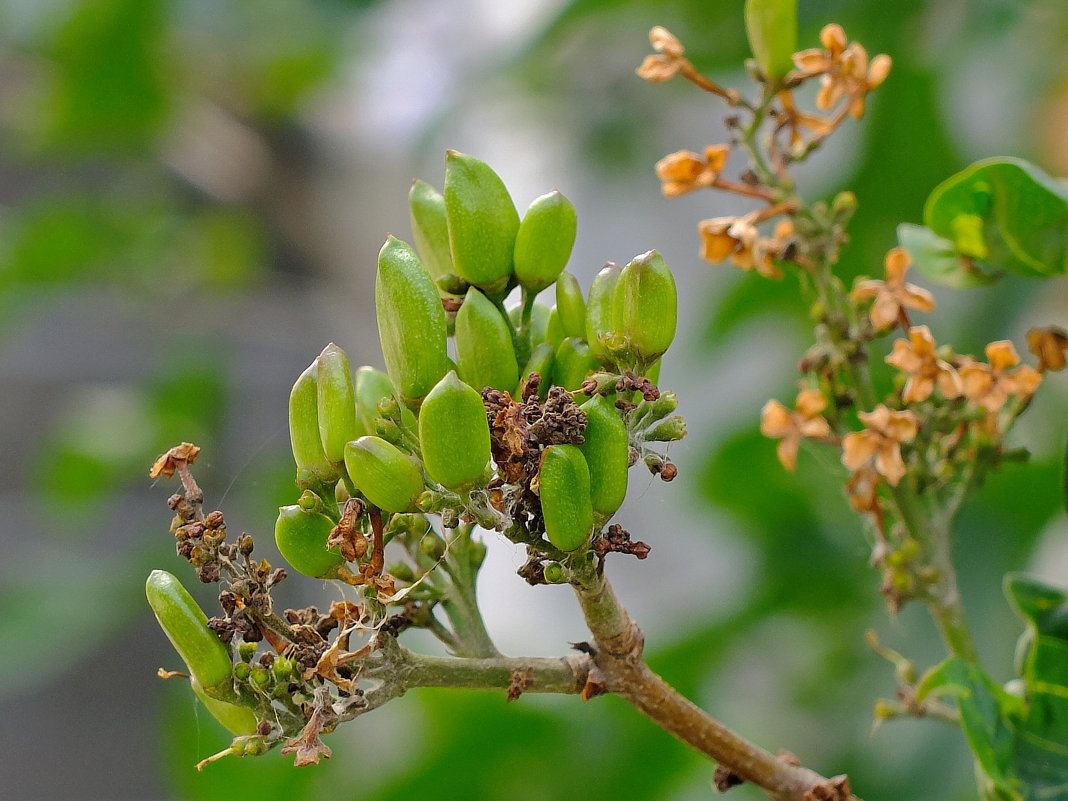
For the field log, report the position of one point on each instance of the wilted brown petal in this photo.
(658, 68)
(664, 41)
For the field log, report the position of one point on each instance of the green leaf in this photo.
(984, 715)
(1004, 213)
(771, 26)
(935, 258)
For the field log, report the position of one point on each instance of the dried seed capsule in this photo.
(607, 451)
(485, 355)
(544, 240)
(483, 222)
(372, 386)
(236, 719)
(301, 539)
(564, 487)
(572, 363)
(646, 305)
(599, 314)
(771, 26)
(336, 401)
(389, 478)
(186, 626)
(570, 306)
(411, 321)
(453, 433)
(540, 362)
(304, 435)
(430, 230)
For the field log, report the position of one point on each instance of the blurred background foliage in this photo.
(192, 197)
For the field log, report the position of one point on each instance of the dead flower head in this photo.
(893, 295)
(668, 60)
(1048, 344)
(880, 442)
(739, 239)
(990, 385)
(789, 427)
(916, 357)
(845, 70)
(686, 171)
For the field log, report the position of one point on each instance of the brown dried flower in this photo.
(893, 295)
(790, 427)
(990, 385)
(1048, 343)
(916, 357)
(685, 171)
(880, 442)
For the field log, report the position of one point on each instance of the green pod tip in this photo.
(600, 323)
(186, 626)
(570, 307)
(482, 221)
(304, 436)
(606, 447)
(564, 488)
(544, 241)
(236, 719)
(301, 537)
(645, 306)
(485, 354)
(411, 321)
(454, 434)
(388, 477)
(335, 401)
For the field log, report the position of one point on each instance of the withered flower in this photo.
(893, 295)
(684, 171)
(1048, 344)
(845, 70)
(880, 441)
(916, 357)
(789, 427)
(990, 385)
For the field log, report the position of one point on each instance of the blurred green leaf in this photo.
(935, 257)
(1004, 213)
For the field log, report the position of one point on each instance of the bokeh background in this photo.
(192, 197)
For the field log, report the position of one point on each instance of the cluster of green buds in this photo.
(494, 410)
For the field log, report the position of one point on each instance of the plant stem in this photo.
(461, 604)
(619, 658)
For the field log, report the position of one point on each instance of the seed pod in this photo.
(236, 719)
(667, 430)
(564, 486)
(453, 433)
(771, 26)
(599, 314)
(389, 478)
(411, 321)
(554, 331)
(304, 428)
(372, 386)
(540, 362)
(570, 306)
(430, 230)
(186, 626)
(607, 451)
(301, 539)
(645, 305)
(336, 401)
(485, 355)
(572, 363)
(482, 220)
(544, 240)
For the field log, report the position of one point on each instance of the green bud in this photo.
(607, 452)
(432, 545)
(668, 430)
(554, 573)
(411, 321)
(771, 26)
(234, 718)
(336, 401)
(186, 626)
(388, 477)
(372, 387)
(260, 676)
(544, 241)
(242, 670)
(246, 651)
(430, 230)
(540, 362)
(572, 363)
(570, 306)
(483, 222)
(485, 355)
(454, 434)
(301, 539)
(599, 314)
(283, 668)
(646, 305)
(564, 487)
(304, 429)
